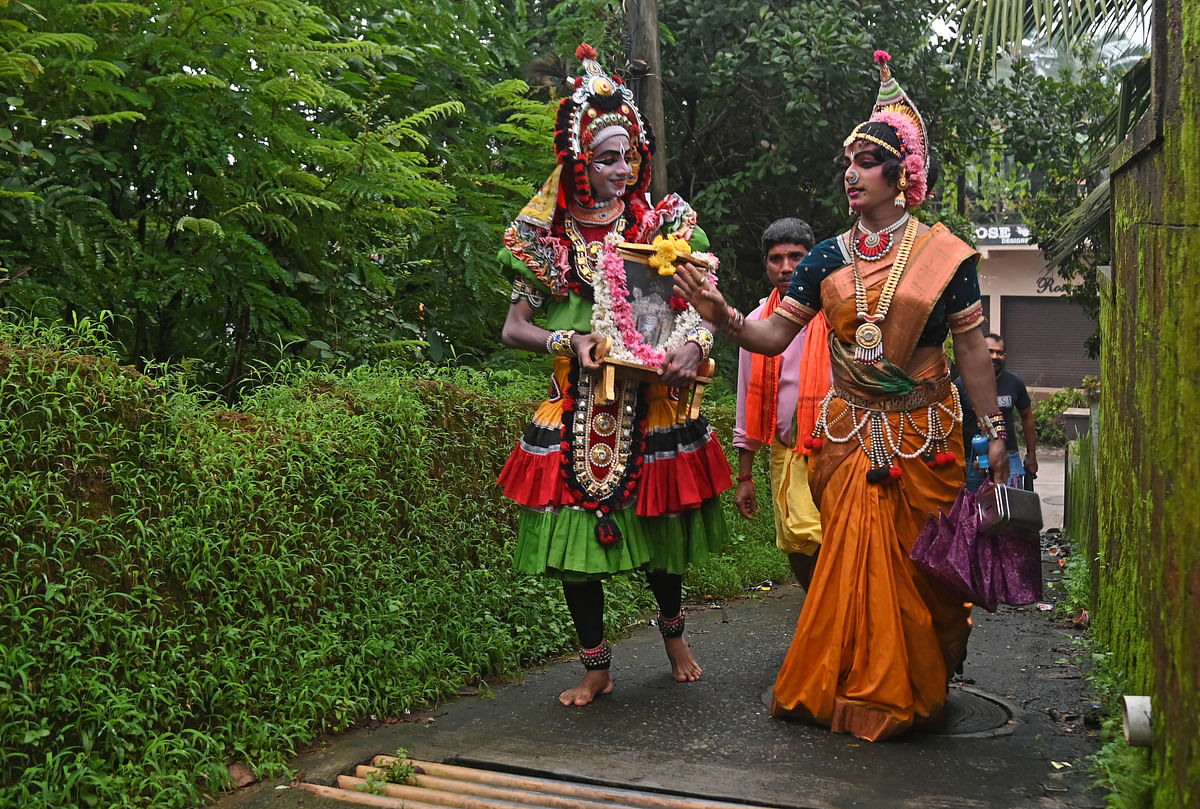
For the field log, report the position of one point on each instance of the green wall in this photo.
(1147, 607)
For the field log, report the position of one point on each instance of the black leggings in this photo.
(585, 600)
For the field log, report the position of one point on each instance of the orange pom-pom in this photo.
(951, 457)
(585, 51)
(895, 472)
(817, 443)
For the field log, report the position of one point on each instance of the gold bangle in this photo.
(703, 338)
(558, 343)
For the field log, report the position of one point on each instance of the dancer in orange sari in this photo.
(877, 641)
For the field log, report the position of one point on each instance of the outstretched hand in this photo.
(692, 282)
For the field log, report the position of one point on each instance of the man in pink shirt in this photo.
(768, 397)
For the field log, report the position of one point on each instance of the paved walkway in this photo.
(714, 738)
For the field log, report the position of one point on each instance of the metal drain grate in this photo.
(969, 712)
(448, 786)
(974, 713)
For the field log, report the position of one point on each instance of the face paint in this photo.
(610, 168)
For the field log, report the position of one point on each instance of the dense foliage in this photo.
(760, 95)
(237, 181)
(183, 586)
(240, 183)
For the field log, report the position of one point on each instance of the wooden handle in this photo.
(601, 349)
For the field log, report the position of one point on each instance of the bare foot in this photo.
(684, 667)
(593, 684)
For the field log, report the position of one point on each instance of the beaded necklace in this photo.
(870, 245)
(868, 337)
(601, 213)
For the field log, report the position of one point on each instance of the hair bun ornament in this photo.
(585, 51)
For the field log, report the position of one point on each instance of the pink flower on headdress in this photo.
(882, 57)
(914, 160)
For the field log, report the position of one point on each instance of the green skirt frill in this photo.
(563, 545)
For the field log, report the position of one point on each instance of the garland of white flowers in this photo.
(613, 317)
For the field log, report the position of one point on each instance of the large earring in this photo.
(901, 185)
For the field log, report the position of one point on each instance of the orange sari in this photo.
(876, 641)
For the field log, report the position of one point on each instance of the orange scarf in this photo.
(762, 392)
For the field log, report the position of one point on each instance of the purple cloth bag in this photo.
(945, 556)
(985, 568)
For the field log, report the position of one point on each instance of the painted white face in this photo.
(610, 168)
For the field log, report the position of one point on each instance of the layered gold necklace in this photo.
(868, 337)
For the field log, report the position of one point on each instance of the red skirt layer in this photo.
(682, 465)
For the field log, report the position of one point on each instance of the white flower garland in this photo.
(611, 316)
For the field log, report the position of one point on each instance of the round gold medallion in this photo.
(868, 335)
(604, 424)
(602, 455)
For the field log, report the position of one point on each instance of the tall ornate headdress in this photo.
(599, 106)
(894, 108)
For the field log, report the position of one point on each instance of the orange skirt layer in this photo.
(876, 641)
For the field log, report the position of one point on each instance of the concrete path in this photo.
(715, 739)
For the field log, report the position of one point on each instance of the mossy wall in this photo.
(1148, 597)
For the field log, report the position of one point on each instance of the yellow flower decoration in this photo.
(666, 253)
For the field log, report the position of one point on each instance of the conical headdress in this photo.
(894, 108)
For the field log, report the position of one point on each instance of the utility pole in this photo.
(641, 19)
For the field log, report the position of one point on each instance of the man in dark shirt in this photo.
(1012, 395)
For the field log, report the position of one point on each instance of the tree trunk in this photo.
(642, 23)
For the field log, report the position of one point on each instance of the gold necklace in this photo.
(868, 337)
(584, 253)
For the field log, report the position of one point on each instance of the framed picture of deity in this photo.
(642, 319)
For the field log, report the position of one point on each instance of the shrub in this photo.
(185, 586)
(1047, 415)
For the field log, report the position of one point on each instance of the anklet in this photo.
(598, 659)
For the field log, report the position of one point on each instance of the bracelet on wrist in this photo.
(558, 343)
(735, 321)
(703, 338)
(744, 478)
(992, 425)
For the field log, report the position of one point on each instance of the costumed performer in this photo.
(877, 641)
(618, 487)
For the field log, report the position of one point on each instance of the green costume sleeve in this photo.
(573, 312)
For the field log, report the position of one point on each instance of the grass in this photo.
(1124, 773)
(185, 586)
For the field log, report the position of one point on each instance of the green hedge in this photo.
(185, 586)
